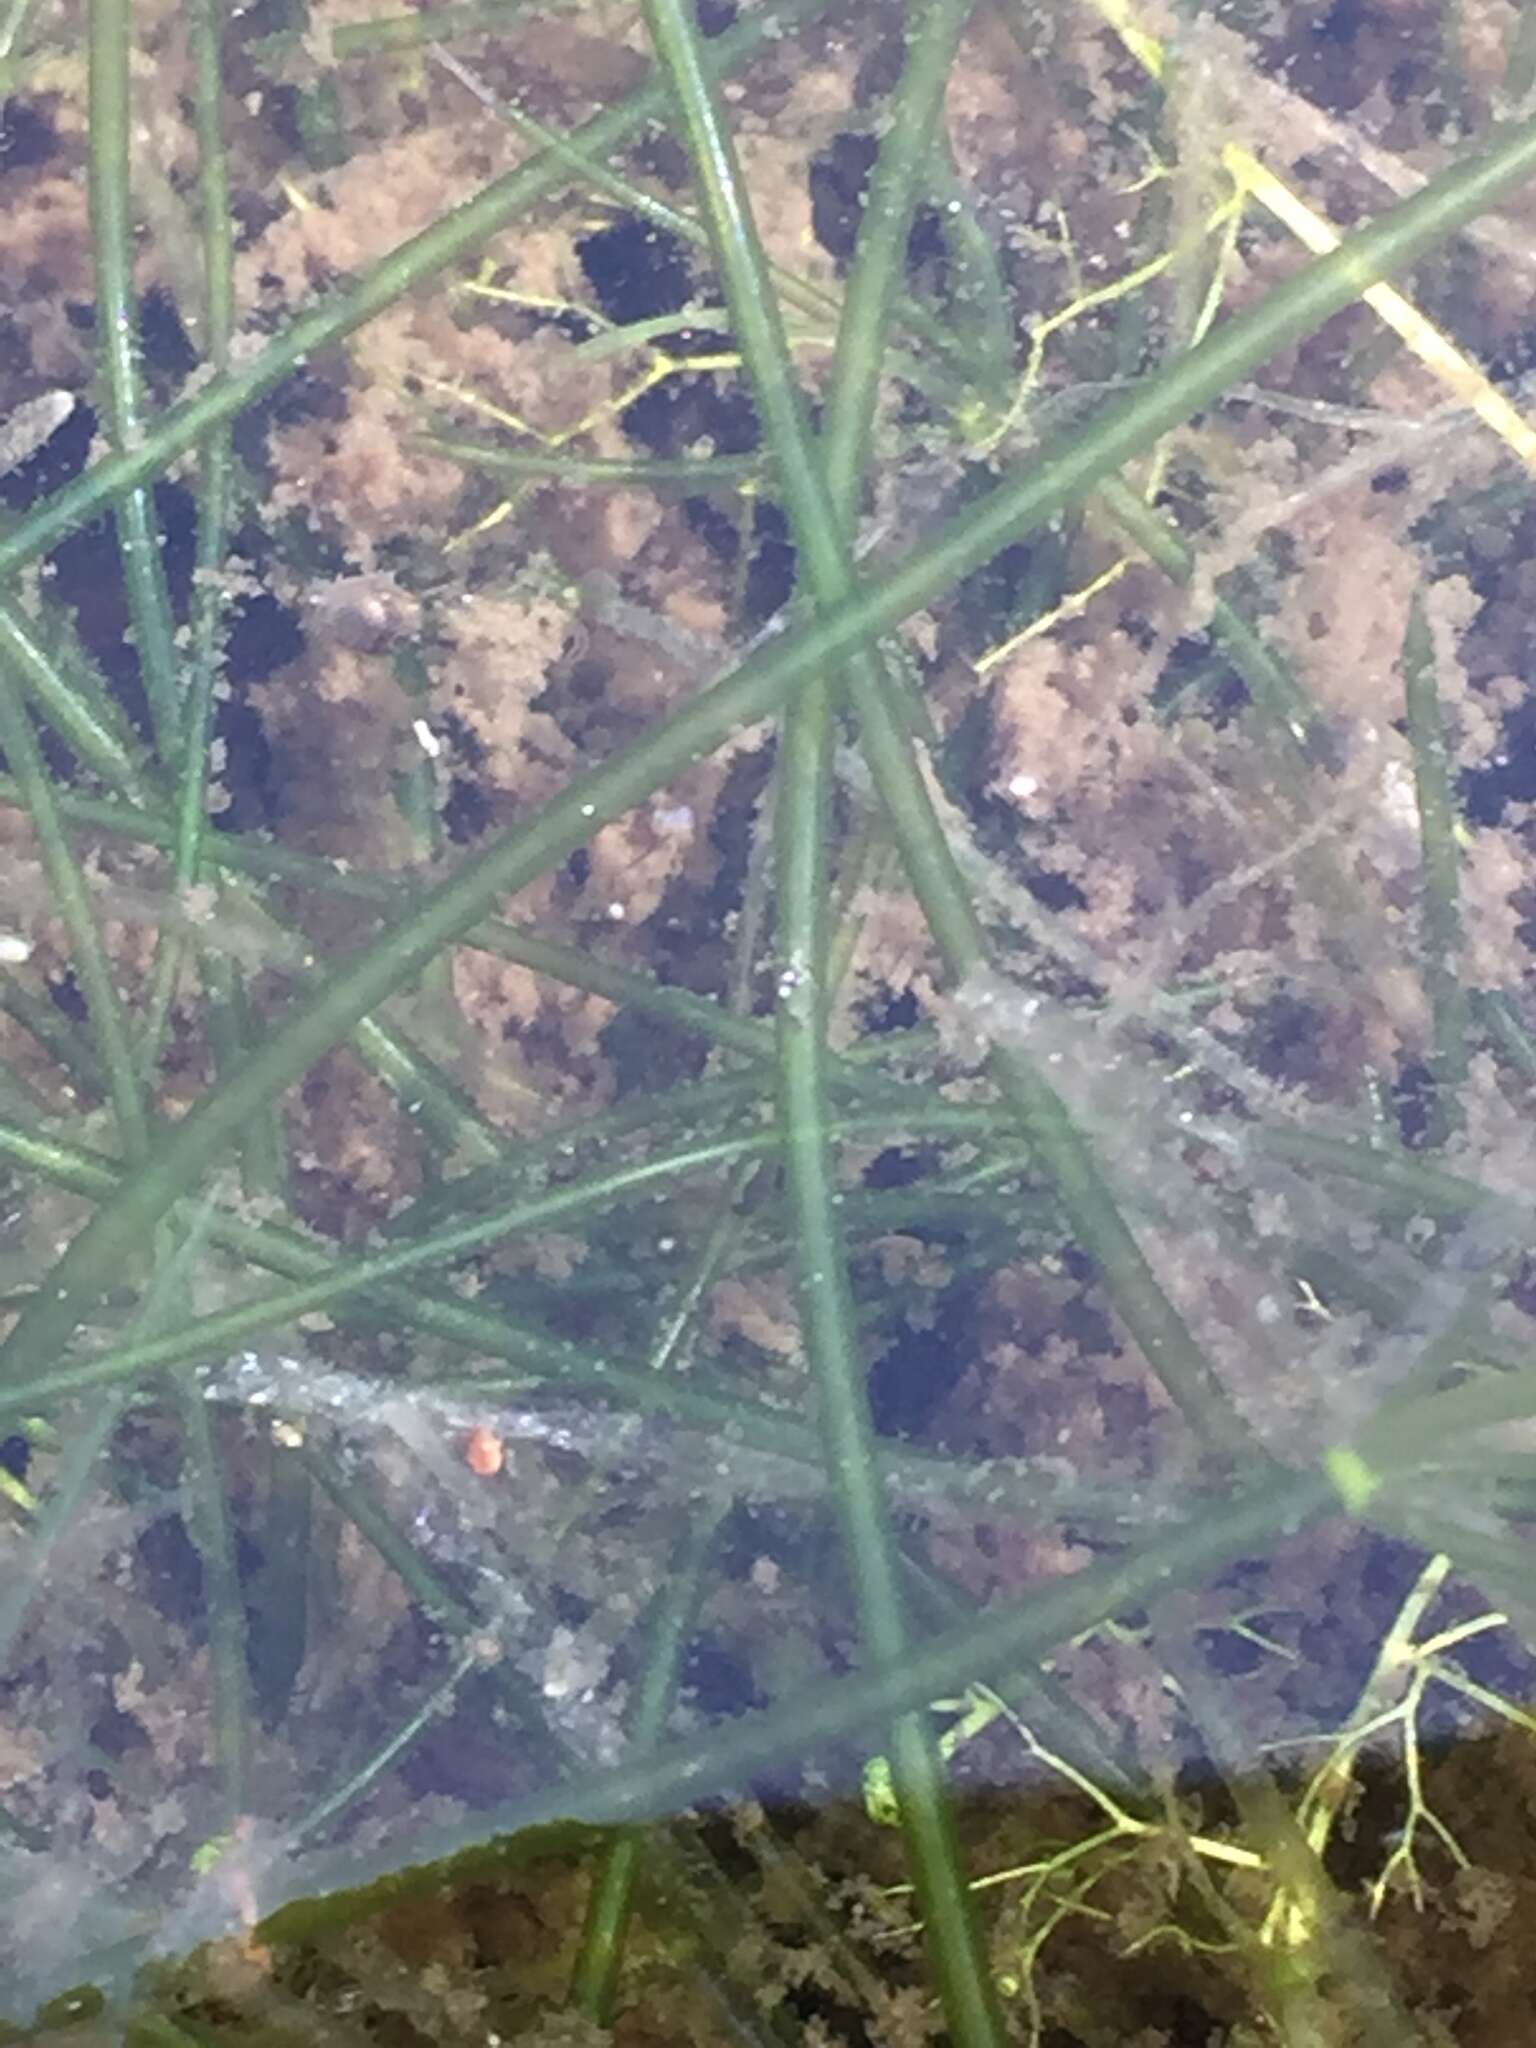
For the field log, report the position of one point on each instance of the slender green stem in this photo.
(444, 1110)
(60, 1037)
(821, 503)
(414, 31)
(1279, 698)
(1520, 58)
(694, 475)
(1399, 1176)
(233, 1027)
(81, 715)
(611, 1902)
(436, 1706)
(279, 1600)
(103, 1004)
(209, 1526)
(980, 308)
(66, 1493)
(1499, 1014)
(194, 728)
(117, 321)
(13, 21)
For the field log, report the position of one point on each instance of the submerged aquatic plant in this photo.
(763, 964)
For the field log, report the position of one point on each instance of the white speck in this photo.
(571, 1667)
(616, 912)
(1399, 798)
(426, 738)
(14, 949)
(1023, 785)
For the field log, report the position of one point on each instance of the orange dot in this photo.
(483, 1452)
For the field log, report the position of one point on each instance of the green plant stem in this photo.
(1520, 58)
(435, 1707)
(59, 1036)
(1399, 1176)
(194, 727)
(208, 1522)
(414, 31)
(444, 1110)
(104, 1008)
(233, 1026)
(25, 1572)
(278, 1599)
(1279, 699)
(695, 476)
(13, 21)
(1498, 1012)
(704, 1108)
(820, 489)
(611, 1901)
(83, 717)
(433, 1594)
(209, 1527)
(117, 319)
(980, 308)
